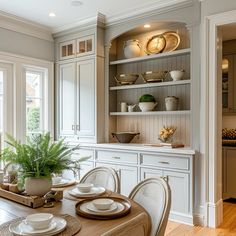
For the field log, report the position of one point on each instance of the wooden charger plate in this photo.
(112, 215)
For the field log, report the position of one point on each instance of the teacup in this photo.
(39, 220)
(84, 187)
(103, 203)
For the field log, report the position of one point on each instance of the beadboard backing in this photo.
(150, 125)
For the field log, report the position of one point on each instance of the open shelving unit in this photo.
(154, 56)
(140, 113)
(151, 85)
(150, 123)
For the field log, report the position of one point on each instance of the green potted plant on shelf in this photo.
(147, 102)
(37, 160)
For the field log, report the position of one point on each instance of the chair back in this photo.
(137, 226)
(154, 195)
(104, 177)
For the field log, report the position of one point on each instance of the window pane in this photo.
(33, 85)
(33, 115)
(1, 102)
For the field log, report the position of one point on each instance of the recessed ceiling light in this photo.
(76, 3)
(147, 26)
(52, 14)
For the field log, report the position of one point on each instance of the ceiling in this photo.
(38, 10)
(228, 32)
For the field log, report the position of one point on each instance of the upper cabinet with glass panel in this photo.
(76, 48)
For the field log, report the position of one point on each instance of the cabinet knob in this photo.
(77, 127)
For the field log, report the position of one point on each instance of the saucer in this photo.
(16, 228)
(26, 228)
(90, 206)
(94, 192)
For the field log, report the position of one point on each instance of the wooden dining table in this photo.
(10, 210)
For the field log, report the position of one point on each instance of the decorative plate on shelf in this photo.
(155, 44)
(172, 41)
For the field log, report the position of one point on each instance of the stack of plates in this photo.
(95, 191)
(57, 225)
(63, 183)
(119, 208)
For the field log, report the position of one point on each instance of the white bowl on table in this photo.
(103, 203)
(85, 187)
(39, 220)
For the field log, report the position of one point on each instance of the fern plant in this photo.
(40, 157)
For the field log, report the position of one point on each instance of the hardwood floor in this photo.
(227, 228)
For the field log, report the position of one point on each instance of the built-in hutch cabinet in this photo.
(80, 86)
(136, 163)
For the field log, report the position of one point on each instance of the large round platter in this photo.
(123, 208)
(95, 191)
(172, 41)
(17, 228)
(155, 44)
(64, 183)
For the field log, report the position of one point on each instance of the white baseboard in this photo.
(181, 218)
(214, 213)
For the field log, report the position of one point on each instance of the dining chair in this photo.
(155, 196)
(104, 177)
(137, 226)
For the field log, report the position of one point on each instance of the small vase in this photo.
(37, 186)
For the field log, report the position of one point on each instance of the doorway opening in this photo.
(228, 104)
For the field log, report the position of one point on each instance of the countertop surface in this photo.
(139, 147)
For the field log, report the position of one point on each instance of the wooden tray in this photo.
(112, 215)
(30, 201)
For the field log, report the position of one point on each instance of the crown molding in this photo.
(20, 25)
(147, 10)
(82, 24)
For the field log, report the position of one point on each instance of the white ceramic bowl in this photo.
(147, 106)
(84, 187)
(39, 220)
(177, 74)
(103, 203)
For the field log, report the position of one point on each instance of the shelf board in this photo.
(153, 56)
(151, 85)
(183, 112)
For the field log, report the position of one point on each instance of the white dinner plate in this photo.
(60, 226)
(63, 183)
(91, 207)
(94, 192)
(26, 228)
(84, 207)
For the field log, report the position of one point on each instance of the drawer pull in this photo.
(164, 162)
(116, 157)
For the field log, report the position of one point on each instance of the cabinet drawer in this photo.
(121, 157)
(165, 161)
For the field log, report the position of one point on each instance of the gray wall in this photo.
(17, 43)
(210, 7)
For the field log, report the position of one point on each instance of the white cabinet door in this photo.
(180, 191)
(67, 99)
(128, 176)
(150, 173)
(86, 98)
